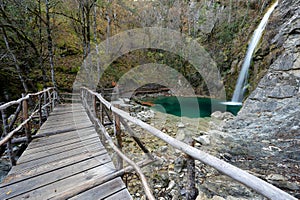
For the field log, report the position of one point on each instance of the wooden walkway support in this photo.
(69, 161)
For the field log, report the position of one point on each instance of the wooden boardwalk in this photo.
(70, 155)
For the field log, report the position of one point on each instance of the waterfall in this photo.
(242, 83)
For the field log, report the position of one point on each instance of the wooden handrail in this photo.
(9, 135)
(119, 152)
(257, 184)
(6, 105)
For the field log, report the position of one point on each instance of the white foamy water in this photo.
(241, 84)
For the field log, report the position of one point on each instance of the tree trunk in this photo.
(41, 62)
(191, 190)
(107, 31)
(96, 42)
(88, 26)
(83, 29)
(50, 44)
(230, 10)
(15, 61)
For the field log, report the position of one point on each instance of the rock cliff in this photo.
(267, 129)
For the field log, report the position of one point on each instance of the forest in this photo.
(204, 94)
(43, 43)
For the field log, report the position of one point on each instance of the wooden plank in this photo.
(36, 143)
(31, 151)
(44, 155)
(70, 113)
(53, 139)
(43, 169)
(64, 107)
(121, 195)
(66, 117)
(89, 184)
(68, 106)
(61, 144)
(63, 155)
(57, 178)
(61, 185)
(102, 191)
(66, 123)
(63, 126)
(73, 126)
(59, 162)
(54, 151)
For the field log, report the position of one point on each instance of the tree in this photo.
(15, 61)
(50, 43)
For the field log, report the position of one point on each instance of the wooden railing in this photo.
(37, 105)
(91, 99)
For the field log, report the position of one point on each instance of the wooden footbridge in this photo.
(66, 158)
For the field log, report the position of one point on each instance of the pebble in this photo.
(172, 173)
(294, 129)
(203, 133)
(157, 186)
(217, 115)
(201, 196)
(226, 156)
(276, 177)
(180, 125)
(218, 198)
(292, 186)
(159, 161)
(198, 145)
(204, 139)
(171, 185)
(163, 149)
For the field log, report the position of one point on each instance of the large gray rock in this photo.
(267, 128)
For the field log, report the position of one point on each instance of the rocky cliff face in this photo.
(277, 94)
(267, 129)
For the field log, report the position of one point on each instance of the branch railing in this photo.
(90, 99)
(45, 102)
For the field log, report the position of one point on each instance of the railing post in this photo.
(25, 117)
(50, 100)
(191, 190)
(87, 94)
(53, 99)
(118, 134)
(9, 145)
(102, 113)
(45, 102)
(95, 105)
(40, 111)
(85, 98)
